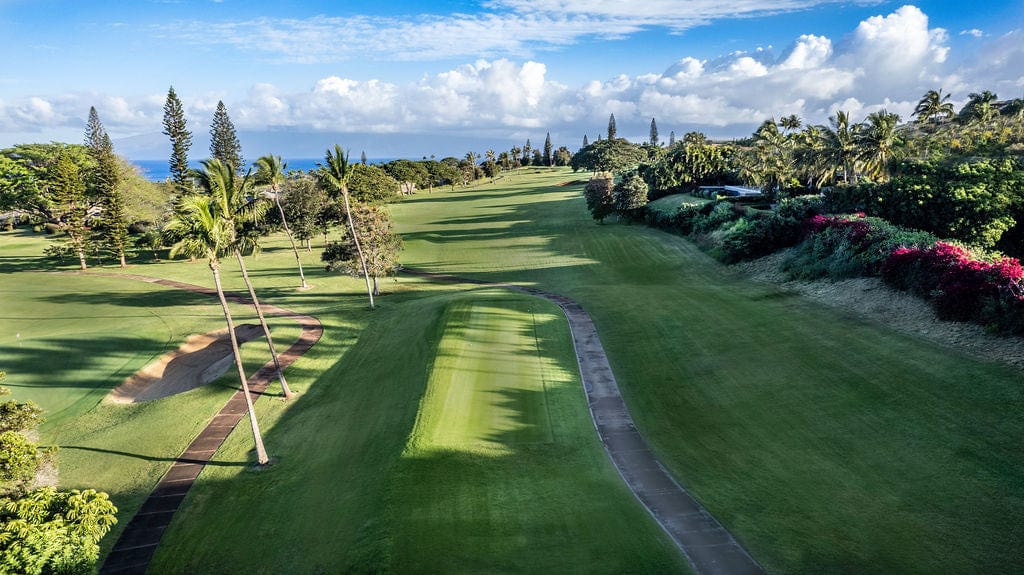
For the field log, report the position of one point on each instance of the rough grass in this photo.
(824, 442)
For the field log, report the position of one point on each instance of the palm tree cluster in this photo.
(207, 224)
(820, 155)
(780, 157)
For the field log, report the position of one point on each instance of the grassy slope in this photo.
(66, 340)
(358, 490)
(823, 442)
(670, 204)
(352, 489)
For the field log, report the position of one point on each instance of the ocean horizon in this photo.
(160, 170)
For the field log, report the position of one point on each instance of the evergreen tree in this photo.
(68, 192)
(654, 132)
(224, 144)
(105, 179)
(611, 127)
(181, 140)
(547, 150)
(527, 149)
(585, 142)
(363, 158)
(671, 138)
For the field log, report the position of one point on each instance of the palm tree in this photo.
(933, 106)
(334, 174)
(790, 123)
(237, 206)
(878, 142)
(773, 163)
(202, 231)
(839, 147)
(807, 156)
(270, 169)
(979, 106)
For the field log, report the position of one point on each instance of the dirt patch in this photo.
(200, 360)
(872, 299)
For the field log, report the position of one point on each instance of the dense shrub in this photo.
(600, 197)
(801, 208)
(755, 236)
(962, 285)
(848, 246)
(713, 216)
(846, 199)
(630, 196)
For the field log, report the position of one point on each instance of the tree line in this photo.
(953, 173)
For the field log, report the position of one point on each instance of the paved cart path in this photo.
(138, 542)
(710, 548)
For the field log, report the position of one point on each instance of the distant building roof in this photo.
(740, 191)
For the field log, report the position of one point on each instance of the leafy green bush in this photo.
(801, 208)
(711, 219)
(600, 197)
(751, 237)
(848, 246)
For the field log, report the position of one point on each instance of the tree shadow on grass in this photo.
(156, 458)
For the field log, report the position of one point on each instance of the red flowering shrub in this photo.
(961, 285)
(854, 230)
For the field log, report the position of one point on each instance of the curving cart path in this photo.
(134, 549)
(710, 548)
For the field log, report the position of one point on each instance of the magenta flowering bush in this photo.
(853, 228)
(962, 285)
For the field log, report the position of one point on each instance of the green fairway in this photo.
(823, 442)
(446, 431)
(372, 472)
(487, 387)
(435, 444)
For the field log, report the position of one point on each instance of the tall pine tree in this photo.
(68, 192)
(585, 142)
(654, 132)
(181, 141)
(547, 149)
(105, 180)
(672, 138)
(611, 127)
(224, 144)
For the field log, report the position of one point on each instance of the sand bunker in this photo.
(200, 360)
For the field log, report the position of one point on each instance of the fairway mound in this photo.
(200, 360)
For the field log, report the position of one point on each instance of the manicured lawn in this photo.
(670, 204)
(452, 437)
(355, 487)
(823, 442)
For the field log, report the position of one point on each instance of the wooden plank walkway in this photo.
(134, 550)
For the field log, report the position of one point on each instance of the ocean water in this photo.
(159, 170)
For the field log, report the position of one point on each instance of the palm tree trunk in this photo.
(263, 323)
(295, 250)
(261, 452)
(359, 249)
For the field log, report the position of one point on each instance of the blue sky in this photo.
(302, 75)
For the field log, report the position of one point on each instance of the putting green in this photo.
(487, 383)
